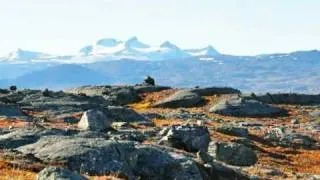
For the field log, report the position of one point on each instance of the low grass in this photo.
(11, 173)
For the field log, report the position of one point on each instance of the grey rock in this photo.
(58, 173)
(123, 114)
(246, 108)
(59, 103)
(93, 156)
(186, 115)
(210, 91)
(145, 123)
(21, 137)
(94, 120)
(149, 89)
(120, 125)
(232, 130)
(287, 98)
(99, 156)
(315, 114)
(233, 154)
(68, 118)
(182, 98)
(121, 95)
(153, 116)
(127, 134)
(280, 137)
(89, 90)
(250, 124)
(153, 163)
(189, 138)
(12, 111)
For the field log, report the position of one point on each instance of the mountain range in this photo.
(111, 61)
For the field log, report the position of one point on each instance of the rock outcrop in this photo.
(246, 108)
(182, 98)
(189, 138)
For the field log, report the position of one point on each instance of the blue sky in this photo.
(242, 27)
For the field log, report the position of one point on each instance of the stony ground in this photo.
(200, 135)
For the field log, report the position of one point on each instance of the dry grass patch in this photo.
(167, 122)
(9, 173)
(8, 123)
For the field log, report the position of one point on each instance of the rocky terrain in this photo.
(155, 132)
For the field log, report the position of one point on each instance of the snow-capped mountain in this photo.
(134, 49)
(25, 56)
(207, 51)
(121, 62)
(112, 49)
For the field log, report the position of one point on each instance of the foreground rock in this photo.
(96, 156)
(189, 138)
(58, 173)
(246, 108)
(182, 98)
(94, 120)
(233, 154)
(287, 98)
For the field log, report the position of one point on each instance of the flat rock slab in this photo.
(287, 98)
(210, 91)
(11, 111)
(21, 137)
(182, 98)
(150, 89)
(58, 103)
(123, 114)
(246, 108)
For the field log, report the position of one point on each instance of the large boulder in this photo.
(96, 156)
(246, 108)
(58, 173)
(210, 91)
(182, 98)
(189, 138)
(287, 98)
(94, 120)
(233, 153)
